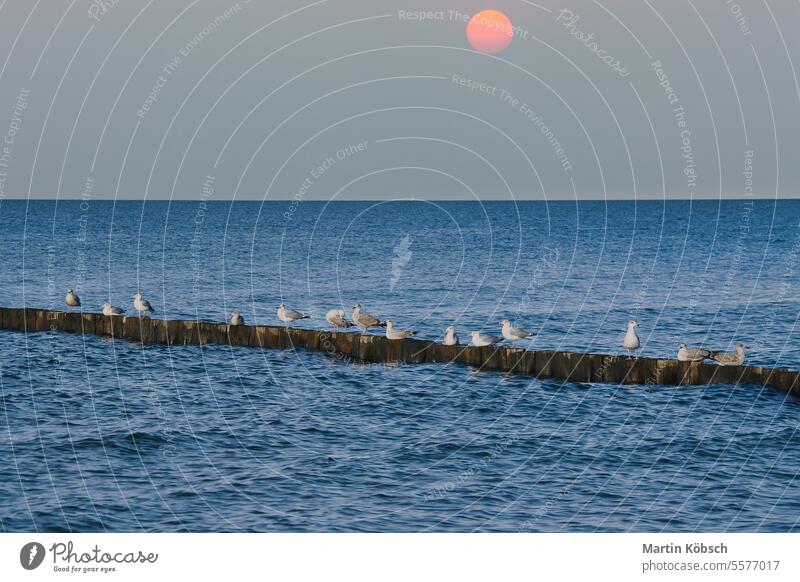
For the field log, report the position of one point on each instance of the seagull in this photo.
(512, 333)
(109, 309)
(236, 318)
(481, 340)
(336, 318)
(71, 299)
(142, 305)
(396, 334)
(730, 359)
(365, 320)
(692, 354)
(631, 341)
(450, 337)
(289, 316)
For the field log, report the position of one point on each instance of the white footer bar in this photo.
(353, 557)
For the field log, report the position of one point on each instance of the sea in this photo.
(114, 436)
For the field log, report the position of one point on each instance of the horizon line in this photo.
(202, 198)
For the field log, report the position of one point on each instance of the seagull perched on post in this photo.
(450, 337)
(631, 341)
(512, 333)
(72, 299)
(236, 318)
(395, 334)
(481, 340)
(142, 305)
(365, 320)
(692, 354)
(289, 316)
(109, 309)
(337, 319)
(730, 359)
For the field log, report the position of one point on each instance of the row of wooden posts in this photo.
(567, 366)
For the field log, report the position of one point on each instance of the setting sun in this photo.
(490, 31)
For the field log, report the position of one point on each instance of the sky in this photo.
(337, 100)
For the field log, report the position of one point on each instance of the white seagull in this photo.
(692, 354)
(396, 334)
(236, 318)
(730, 359)
(365, 320)
(480, 340)
(631, 341)
(512, 333)
(337, 319)
(109, 309)
(71, 299)
(289, 316)
(142, 305)
(450, 337)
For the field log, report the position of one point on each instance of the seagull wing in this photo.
(520, 333)
(368, 320)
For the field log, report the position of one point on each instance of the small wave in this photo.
(140, 438)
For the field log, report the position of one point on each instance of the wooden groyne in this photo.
(571, 366)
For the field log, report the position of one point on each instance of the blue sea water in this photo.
(100, 435)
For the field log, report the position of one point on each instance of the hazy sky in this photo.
(332, 98)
